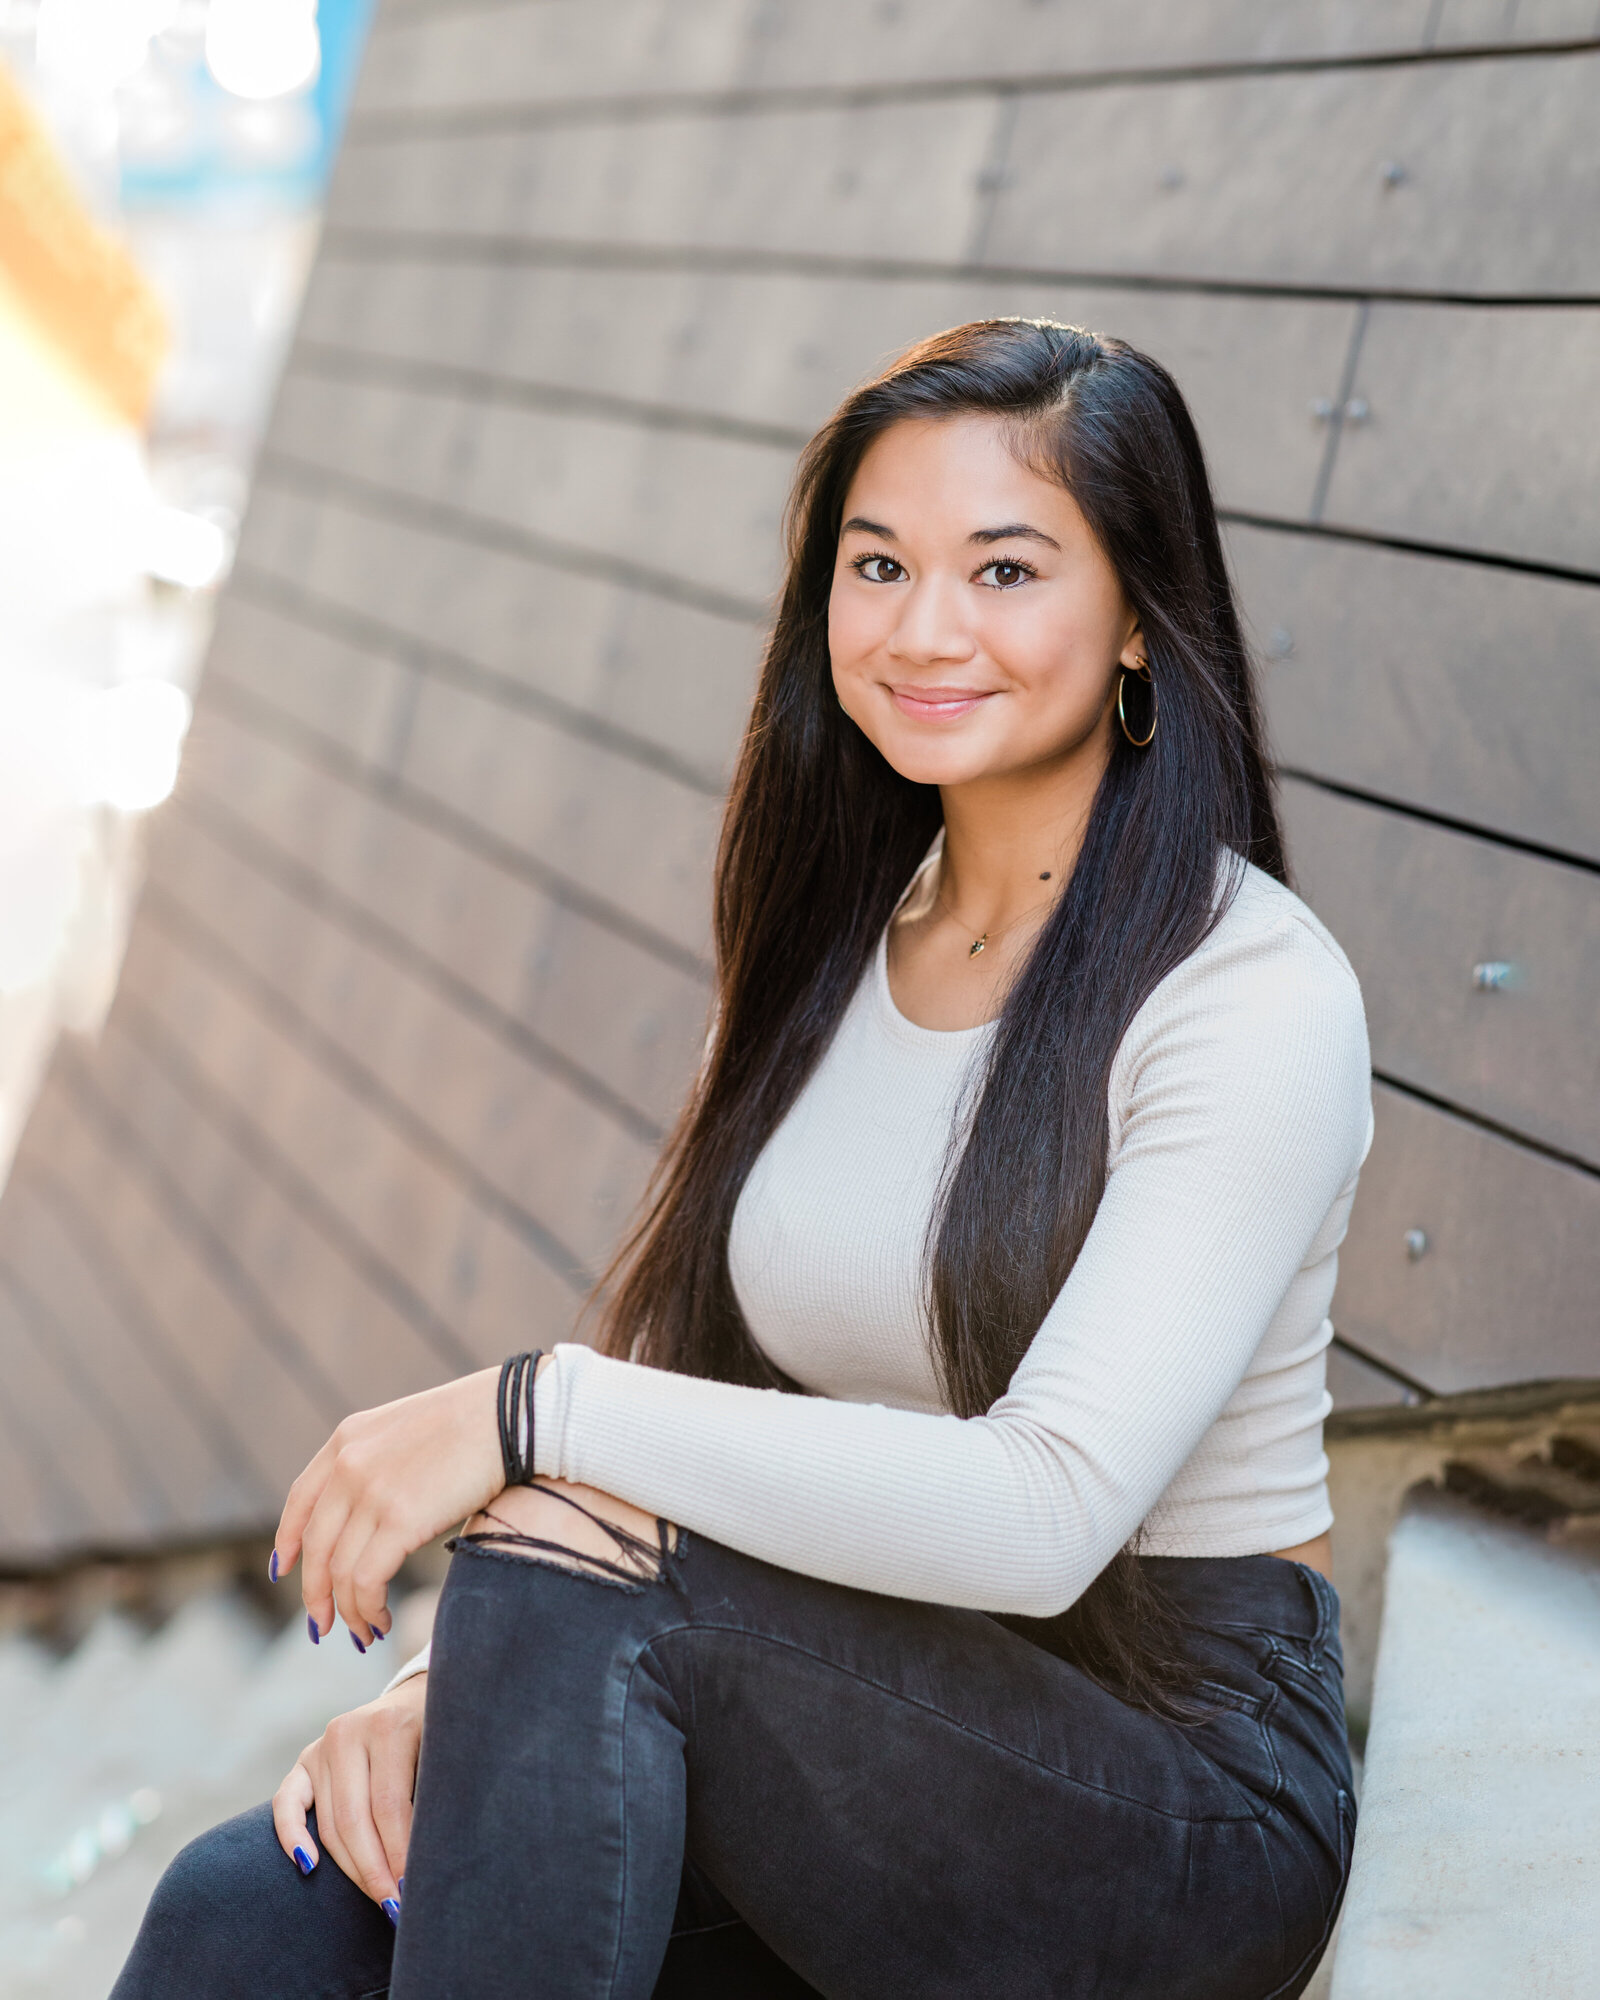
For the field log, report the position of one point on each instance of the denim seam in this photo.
(981, 1736)
(1269, 1708)
(1283, 1928)
(1312, 1957)
(627, 1697)
(1307, 1681)
(1296, 1666)
(627, 1852)
(1234, 1700)
(1327, 1615)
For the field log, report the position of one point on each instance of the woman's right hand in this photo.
(359, 1774)
(386, 1482)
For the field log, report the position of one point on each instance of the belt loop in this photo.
(672, 1545)
(1325, 1600)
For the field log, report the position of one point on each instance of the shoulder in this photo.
(1267, 988)
(1263, 923)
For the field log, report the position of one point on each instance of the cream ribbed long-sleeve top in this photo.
(1177, 1381)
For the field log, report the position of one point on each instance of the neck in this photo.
(1002, 834)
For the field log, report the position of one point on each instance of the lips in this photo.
(936, 704)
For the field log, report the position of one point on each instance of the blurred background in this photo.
(354, 859)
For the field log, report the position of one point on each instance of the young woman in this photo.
(925, 1587)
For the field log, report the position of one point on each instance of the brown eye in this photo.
(1005, 575)
(879, 569)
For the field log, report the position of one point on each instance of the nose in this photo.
(931, 627)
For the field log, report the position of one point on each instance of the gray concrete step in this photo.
(111, 1759)
(1477, 1854)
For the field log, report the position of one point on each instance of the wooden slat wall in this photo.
(420, 971)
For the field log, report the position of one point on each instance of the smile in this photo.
(937, 704)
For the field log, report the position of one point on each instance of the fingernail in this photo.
(357, 1643)
(272, 1568)
(311, 1628)
(377, 1635)
(303, 1861)
(391, 1909)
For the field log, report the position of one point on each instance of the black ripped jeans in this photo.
(731, 1780)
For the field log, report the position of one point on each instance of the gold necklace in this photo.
(979, 943)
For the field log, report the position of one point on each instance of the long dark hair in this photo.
(822, 836)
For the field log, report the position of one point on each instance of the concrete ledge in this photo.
(1477, 1860)
(1507, 1438)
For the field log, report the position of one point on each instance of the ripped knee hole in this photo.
(614, 1552)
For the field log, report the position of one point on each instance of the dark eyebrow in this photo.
(1017, 531)
(858, 524)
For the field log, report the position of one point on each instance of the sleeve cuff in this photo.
(418, 1664)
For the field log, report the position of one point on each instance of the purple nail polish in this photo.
(272, 1568)
(311, 1629)
(391, 1909)
(303, 1861)
(377, 1635)
(357, 1643)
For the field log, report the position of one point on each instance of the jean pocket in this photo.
(1320, 1690)
(1237, 1737)
(1218, 1694)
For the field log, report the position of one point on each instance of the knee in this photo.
(232, 1917)
(204, 1914)
(220, 1873)
(576, 1526)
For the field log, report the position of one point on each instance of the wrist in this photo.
(411, 1692)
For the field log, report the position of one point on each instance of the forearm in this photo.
(987, 1514)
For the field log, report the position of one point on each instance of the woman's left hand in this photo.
(387, 1482)
(360, 1775)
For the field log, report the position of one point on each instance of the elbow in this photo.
(1041, 1596)
(1047, 1604)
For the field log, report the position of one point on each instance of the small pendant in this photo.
(977, 945)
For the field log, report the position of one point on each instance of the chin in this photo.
(935, 763)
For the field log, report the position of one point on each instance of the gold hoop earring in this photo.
(1141, 667)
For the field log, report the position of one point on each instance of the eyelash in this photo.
(859, 565)
(1007, 562)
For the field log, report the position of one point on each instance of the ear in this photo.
(1133, 649)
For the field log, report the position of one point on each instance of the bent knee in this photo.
(213, 1888)
(233, 1915)
(576, 1526)
(226, 1861)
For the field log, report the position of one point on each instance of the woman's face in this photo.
(975, 625)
